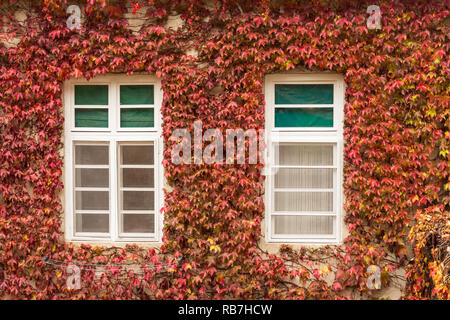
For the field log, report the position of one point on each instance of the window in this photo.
(304, 157)
(112, 152)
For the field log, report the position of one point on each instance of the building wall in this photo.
(382, 83)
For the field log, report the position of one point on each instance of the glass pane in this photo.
(137, 154)
(92, 223)
(304, 201)
(137, 117)
(139, 223)
(306, 155)
(138, 200)
(303, 225)
(86, 154)
(137, 177)
(91, 118)
(92, 200)
(303, 117)
(91, 177)
(136, 94)
(304, 178)
(304, 94)
(91, 95)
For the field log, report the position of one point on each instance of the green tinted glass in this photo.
(91, 95)
(136, 117)
(136, 94)
(91, 118)
(303, 117)
(303, 94)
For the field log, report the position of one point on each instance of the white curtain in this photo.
(306, 155)
(304, 178)
(303, 225)
(90, 176)
(135, 177)
(304, 201)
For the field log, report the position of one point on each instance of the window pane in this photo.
(137, 154)
(91, 95)
(96, 155)
(137, 177)
(91, 177)
(303, 117)
(136, 94)
(303, 225)
(303, 94)
(138, 200)
(138, 223)
(304, 201)
(92, 200)
(92, 223)
(304, 178)
(91, 118)
(306, 155)
(137, 117)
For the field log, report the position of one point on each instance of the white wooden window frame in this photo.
(304, 135)
(113, 135)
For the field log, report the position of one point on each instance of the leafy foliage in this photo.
(396, 153)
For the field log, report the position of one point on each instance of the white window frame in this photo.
(114, 135)
(308, 135)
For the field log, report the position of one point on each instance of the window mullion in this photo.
(114, 163)
(155, 192)
(113, 183)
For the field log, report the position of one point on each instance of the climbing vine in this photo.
(212, 68)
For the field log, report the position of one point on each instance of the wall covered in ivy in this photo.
(212, 68)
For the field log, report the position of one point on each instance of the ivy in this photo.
(396, 173)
